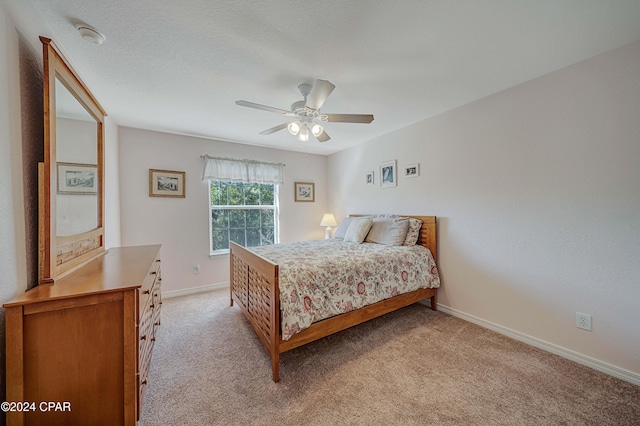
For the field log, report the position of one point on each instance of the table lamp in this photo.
(328, 220)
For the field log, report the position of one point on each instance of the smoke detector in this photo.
(90, 34)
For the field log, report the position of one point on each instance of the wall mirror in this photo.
(72, 175)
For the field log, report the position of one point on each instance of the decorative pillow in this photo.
(358, 229)
(342, 228)
(388, 231)
(413, 233)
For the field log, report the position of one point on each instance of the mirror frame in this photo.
(61, 255)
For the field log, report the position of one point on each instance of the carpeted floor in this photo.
(413, 366)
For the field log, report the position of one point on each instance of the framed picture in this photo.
(305, 191)
(77, 179)
(388, 174)
(412, 170)
(166, 183)
(369, 178)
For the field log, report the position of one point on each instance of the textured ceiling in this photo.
(178, 66)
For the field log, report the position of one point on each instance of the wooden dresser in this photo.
(86, 341)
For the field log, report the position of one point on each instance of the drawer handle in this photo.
(144, 382)
(157, 260)
(144, 337)
(151, 306)
(154, 272)
(156, 323)
(153, 340)
(146, 292)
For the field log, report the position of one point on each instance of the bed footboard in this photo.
(254, 287)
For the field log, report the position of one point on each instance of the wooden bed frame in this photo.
(254, 287)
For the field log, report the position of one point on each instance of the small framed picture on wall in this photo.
(166, 183)
(305, 191)
(412, 170)
(388, 174)
(369, 178)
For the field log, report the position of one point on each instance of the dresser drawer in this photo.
(146, 350)
(152, 277)
(141, 390)
(149, 315)
(157, 305)
(145, 331)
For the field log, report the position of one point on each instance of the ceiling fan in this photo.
(306, 117)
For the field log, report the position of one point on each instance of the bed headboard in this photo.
(428, 235)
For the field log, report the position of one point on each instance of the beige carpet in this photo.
(414, 366)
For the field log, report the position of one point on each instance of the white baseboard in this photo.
(598, 365)
(193, 290)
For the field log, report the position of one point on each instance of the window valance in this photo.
(247, 171)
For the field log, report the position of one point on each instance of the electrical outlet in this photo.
(583, 321)
(196, 269)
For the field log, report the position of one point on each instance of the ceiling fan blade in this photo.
(323, 137)
(319, 94)
(264, 108)
(274, 129)
(349, 118)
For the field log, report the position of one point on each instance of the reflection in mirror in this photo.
(77, 171)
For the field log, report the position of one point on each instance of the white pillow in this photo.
(388, 231)
(342, 228)
(358, 229)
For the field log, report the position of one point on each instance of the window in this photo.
(245, 213)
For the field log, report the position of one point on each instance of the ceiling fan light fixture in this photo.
(305, 115)
(293, 127)
(303, 136)
(317, 130)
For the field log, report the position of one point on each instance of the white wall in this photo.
(13, 264)
(112, 235)
(181, 225)
(537, 190)
(12, 268)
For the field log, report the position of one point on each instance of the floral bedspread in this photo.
(323, 278)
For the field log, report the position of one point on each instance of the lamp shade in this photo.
(293, 127)
(328, 220)
(316, 129)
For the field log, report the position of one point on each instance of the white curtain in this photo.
(247, 171)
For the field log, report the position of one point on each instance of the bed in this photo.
(255, 283)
